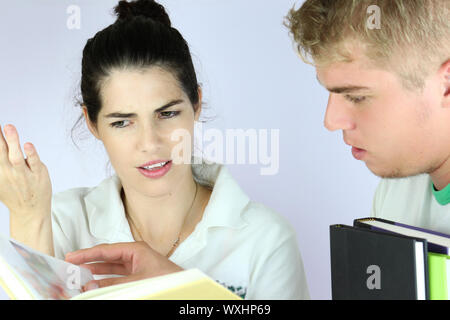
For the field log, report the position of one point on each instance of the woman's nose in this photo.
(148, 139)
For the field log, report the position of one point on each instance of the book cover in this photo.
(191, 284)
(439, 273)
(374, 265)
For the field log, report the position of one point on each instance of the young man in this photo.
(386, 65)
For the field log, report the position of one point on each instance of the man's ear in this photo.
(92, 128)
(198, 109)
(445, 71)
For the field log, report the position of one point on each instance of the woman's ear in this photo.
(198, 109)
(91, 127)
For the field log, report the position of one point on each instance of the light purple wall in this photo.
(251, 77)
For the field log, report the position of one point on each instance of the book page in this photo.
(45, 276)
(430, 237)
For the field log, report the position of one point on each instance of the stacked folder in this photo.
(383, 260)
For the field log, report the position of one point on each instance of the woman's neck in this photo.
(160, 221)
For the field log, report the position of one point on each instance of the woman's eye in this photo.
(119, 124)
(168, 114)
(355, 99)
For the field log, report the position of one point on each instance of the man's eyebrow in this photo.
(134, 115)
(346, 89)
(343, 89)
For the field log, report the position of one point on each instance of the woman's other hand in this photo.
(133, 260)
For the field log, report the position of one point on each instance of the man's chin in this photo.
(393, 173)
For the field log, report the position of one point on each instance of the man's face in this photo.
(397, 132)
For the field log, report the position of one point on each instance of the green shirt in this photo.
(442, 196)
(412, 201)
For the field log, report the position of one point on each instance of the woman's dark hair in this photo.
(141, 37)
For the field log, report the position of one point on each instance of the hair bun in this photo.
(146, 8)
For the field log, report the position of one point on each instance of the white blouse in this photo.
(243, 245)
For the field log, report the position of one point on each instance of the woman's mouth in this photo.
(156, 169)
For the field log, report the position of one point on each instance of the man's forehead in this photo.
(335, 68)
(352, 57)
(342, 77)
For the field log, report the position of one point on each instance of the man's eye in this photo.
(119, 124)
(355, 99)
(168, 114)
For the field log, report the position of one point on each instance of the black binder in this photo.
(375, 265)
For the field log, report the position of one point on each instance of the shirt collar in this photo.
(441, 196)
(106, 212)
(227, 199)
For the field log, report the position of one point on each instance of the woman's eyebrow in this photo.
(134, 115)
(121, 115)
(170, 104)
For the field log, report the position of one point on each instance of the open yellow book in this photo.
(27, 274)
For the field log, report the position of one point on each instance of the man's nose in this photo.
(338, 115)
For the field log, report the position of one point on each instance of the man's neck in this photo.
(441, 176)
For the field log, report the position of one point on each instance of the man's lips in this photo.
(358, 153)
(353, 145)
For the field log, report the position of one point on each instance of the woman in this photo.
(139, 88)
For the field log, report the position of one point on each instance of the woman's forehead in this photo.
(128, 87)
(154, 78)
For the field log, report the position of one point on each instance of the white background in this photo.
(251, 77)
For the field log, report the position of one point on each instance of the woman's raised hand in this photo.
(26, 190)
(25, 186)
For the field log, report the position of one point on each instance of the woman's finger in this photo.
(15, 154)
(33, 161)
(106, 268)
(3, 149)
(109, 282)
(103, 252)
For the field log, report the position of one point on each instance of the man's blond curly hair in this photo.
(413, 39)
